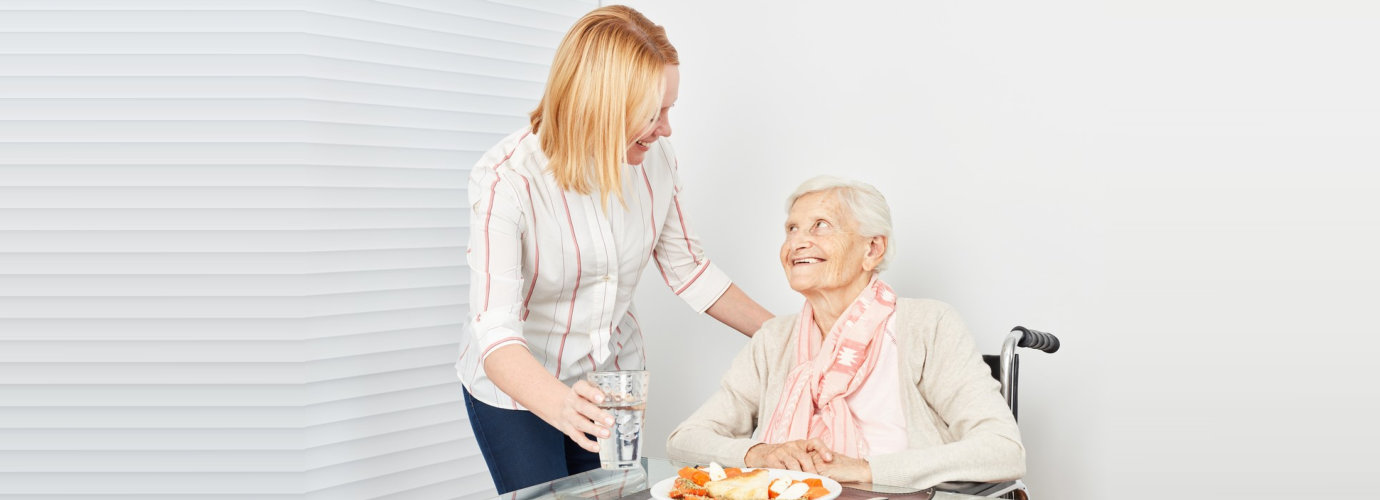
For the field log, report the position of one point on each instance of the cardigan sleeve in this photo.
(721, 429)
(985, 443)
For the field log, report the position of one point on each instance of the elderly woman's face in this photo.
(823, 251)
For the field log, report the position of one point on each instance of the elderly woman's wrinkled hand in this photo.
(843, 468)
(798, 455)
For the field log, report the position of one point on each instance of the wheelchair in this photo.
(1005, 368)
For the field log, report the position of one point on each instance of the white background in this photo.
(1182, 191)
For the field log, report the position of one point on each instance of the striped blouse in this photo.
(554, 270)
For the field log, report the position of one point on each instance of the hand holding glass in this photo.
(625, 397)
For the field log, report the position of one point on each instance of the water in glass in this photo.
(625, 398)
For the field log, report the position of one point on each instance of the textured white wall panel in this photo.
(232, 239)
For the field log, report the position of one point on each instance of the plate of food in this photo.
(713, 482)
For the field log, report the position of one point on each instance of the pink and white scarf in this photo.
(828, 370)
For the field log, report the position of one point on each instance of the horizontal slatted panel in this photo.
(232, 240)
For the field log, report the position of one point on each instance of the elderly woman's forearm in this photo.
(735, 309)
(985, 458)
(701, 445)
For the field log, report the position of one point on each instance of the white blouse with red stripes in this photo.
(554, 270)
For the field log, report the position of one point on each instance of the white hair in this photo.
(862, 201)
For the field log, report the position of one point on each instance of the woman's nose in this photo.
(663, 127)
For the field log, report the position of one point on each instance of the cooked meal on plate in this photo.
(731, 483)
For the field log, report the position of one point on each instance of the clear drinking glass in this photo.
(625, 397)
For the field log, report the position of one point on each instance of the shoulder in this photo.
(779, 324)
(508, 163)
(518, 152)
(923, 311)
(776, 331)
(927, 320)
(769, 346)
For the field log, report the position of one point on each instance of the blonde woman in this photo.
(566, 215)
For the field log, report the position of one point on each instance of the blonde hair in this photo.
(606, 85)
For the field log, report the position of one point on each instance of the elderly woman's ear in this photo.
(876, 249)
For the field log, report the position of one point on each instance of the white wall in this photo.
(1179, 190)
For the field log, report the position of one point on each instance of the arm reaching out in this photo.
(735, 309)
(571, 410)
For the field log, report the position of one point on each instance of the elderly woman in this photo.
(861, 385)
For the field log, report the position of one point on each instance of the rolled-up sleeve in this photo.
(495, 260)
(681, 260)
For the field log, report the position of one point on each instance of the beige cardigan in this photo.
(959, 427)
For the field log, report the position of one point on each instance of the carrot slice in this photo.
(700, 477)
(732, 471)
(816, 492)
(687, 472)
(814, 482)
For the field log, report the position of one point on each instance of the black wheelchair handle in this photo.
(1036, 339)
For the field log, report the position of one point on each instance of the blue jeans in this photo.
(521, 449)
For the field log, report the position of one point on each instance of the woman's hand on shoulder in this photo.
(801, 455)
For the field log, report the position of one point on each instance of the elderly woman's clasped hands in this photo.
(809, 455)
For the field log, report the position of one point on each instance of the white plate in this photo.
(662, 489)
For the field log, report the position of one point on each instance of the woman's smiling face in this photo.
(661, 125)
(823, 251)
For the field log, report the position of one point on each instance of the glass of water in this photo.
(625, 397)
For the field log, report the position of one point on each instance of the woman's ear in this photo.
(876, 249)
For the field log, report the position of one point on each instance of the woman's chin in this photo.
(800, 285)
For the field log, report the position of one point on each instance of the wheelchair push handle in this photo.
(1036, 339)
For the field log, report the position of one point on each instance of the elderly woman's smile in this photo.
(823, 253)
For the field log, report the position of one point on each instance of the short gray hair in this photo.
(863, 201)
